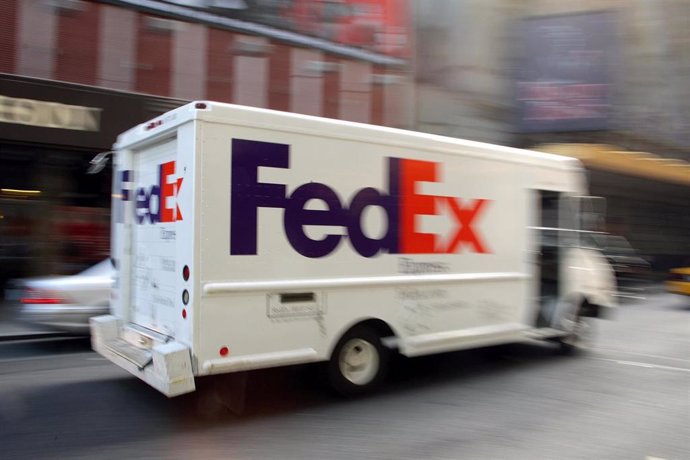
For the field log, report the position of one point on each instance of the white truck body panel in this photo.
(295, 228)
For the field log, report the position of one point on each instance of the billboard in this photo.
(564, 76)
(379, 26)
(376, 25)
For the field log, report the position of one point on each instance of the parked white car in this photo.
(64, 303)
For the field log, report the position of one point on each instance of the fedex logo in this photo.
(401, 203)
(156, 203)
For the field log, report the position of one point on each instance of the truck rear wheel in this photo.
(359, 362)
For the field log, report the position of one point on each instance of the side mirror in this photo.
(98, 162)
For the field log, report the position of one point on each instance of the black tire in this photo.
(359, 343)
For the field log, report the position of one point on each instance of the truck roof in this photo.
(275, 120)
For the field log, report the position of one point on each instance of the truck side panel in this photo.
(455, 226)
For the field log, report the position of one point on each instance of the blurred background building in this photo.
(606, 81)
(76, 73)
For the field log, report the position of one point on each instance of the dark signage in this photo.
(565, 72)
(49, 114)
(77, 116)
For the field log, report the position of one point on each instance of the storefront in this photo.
(54, 217)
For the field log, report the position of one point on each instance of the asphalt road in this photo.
(626, 398)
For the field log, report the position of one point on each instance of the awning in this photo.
(613, 159)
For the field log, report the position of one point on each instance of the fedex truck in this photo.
(246, 238)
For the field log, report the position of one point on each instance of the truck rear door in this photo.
(153, 238)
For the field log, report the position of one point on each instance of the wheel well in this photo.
(589, 309)
(377, 325)
(584, 306)
(381, 327)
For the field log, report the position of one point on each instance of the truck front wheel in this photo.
(359, 362)
(580, 333)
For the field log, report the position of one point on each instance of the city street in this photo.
(232, 187)
(626, 398)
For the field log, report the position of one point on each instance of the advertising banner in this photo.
(564, 77)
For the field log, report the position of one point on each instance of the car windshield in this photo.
(610, 244)
(619, 245)
(101, 268)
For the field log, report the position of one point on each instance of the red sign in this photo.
(381, 26)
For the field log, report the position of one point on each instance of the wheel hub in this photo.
(359, 361)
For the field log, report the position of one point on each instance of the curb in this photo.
(34, 336)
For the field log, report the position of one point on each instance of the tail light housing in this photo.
(40, 297)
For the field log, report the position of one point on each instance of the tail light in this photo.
(38, 297)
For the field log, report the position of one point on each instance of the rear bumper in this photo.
(167, 367)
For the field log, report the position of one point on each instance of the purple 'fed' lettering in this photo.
(401, 204)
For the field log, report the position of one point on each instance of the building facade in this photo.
(162, 49)
(74, 74)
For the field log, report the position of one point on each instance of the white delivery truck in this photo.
(246, 238)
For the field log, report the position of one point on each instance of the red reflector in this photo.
(44, 301)
(153, 124)
(184, 314)
(185, 273)
(200, 105)
(224, 351)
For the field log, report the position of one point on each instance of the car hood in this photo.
(90, 287)
(67, 282)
